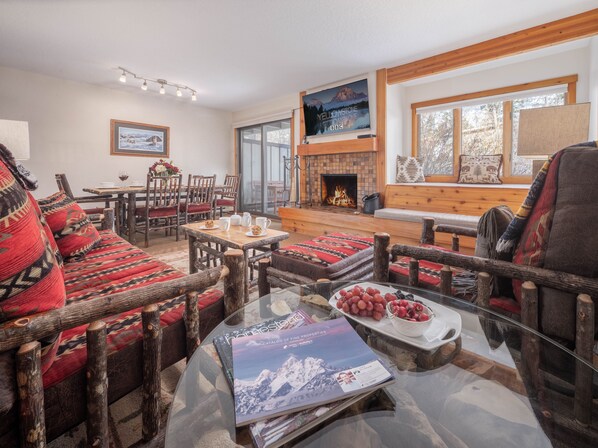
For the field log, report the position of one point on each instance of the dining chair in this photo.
(92, 212)
(229, 194)
(199, 198)
(162, 209)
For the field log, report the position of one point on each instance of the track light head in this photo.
(123, 77)
(144, 85)
(178, 92)
(193, 97)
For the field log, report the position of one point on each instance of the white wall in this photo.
(527, 68)
(69, 126)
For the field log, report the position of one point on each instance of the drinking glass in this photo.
(123, 176)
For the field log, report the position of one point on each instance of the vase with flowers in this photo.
(164, 168)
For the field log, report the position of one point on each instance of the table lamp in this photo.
(15, 136)
(546, 130)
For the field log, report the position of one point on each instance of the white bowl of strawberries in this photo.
(409, 317)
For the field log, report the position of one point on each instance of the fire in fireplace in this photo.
(339, 190)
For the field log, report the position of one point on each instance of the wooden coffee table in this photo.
(213, 243)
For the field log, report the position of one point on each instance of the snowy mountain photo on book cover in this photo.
(289, 370)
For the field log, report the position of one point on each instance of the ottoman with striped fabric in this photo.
(337, 256)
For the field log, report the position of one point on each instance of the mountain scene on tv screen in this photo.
(340, 109)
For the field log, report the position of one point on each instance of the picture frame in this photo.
(129, 138)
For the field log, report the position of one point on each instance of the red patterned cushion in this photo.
(225, 202)
(48, 231)
(72, 229)
(329, 256)
(161, 212)
(30, 278)
(111, 267)
(197, 208)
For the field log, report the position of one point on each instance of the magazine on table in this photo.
(223, 344)
(277, 431)
(279, 372)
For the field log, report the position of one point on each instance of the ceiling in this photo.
(238, 53)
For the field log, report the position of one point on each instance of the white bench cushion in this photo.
(417, 216)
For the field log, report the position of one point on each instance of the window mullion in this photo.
(456, 140)
(507, 137)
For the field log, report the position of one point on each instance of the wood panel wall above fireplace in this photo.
(369, 144)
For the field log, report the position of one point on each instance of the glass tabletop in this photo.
(493, 382)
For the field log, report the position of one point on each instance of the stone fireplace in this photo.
(361, 165)
(339, 190)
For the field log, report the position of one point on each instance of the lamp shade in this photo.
(546, 130)
(15, 136)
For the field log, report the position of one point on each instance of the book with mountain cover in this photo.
(223, 343)
(287, 371)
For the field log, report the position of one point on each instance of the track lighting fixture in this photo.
(161, 82)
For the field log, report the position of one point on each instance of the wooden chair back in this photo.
(200, 189)
(63, 185)
(163, 191)
(231, 186)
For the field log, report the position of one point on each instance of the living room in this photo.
(227, 87)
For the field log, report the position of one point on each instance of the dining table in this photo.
(121, 191)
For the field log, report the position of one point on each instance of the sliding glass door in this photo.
(264, 159)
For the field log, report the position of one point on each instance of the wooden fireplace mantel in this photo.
(339, 147)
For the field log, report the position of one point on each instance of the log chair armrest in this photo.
(456, 230)
(95, 198)
(562, 281)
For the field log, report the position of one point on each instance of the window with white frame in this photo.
(481, 123)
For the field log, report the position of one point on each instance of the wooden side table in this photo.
(201, 241)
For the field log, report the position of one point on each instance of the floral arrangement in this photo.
(164, 168)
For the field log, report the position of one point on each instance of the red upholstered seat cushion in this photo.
(429, 275)
(197, 208)
(225, 202)
(162, 212)
(30, 277)
(111, 267)
(328, 256)
(73, 231)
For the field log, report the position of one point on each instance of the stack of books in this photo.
(292, 373)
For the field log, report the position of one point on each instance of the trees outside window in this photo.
(472, 125)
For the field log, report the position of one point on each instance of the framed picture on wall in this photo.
(128, 138)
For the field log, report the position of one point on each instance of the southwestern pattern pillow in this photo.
(480, 169)
(30, 278)
(73, 231)
(410, 170)
(48, 231)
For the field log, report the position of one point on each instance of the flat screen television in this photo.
(339, 109)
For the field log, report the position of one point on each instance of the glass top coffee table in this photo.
(495, 384)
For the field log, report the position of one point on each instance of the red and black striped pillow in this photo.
(30, 278)
(73, 231)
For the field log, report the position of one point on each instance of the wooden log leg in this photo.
(381, 261)
(97, 386)
(234, 282)
(131, 218)
(530, 344)
(413, 272)
(427, 231)
(192, 255)
(31, 396)
(191, 323)
(484, 289)
(446, 281)
(324, 288)
(152, 344)
(246, 279)
(584, 339)
(455, 242)
(264, 287)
